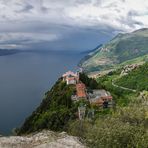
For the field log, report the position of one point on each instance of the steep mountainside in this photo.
(120, 49)
(54, 112)
(57, 109)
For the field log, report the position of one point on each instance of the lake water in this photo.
(24, 78)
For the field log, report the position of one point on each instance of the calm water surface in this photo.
(24, 78)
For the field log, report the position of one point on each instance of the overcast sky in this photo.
(67, 24)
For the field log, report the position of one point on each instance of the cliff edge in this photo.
(44, 139)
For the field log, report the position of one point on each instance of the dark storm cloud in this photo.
(26, 8)
(70, 24)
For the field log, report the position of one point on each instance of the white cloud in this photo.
(21, 40)
(22, 16)
(77, 12)
(11, 46)
(32, 37)
(113, 13)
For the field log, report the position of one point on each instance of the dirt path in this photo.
(125, 88)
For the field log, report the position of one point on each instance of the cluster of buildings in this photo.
(99, 97)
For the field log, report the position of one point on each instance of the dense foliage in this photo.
(125, 128)
(136, 79)
(125, 125)
(120, 96)
(55, 110)
(89, 82)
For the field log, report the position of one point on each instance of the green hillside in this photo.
(57, 108)
(124, 125)
(136, 79)
(54, 111)
(125, 128)
(120, 49)
(127, 125)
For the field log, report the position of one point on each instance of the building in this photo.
(71, 80)
(102, 101)
(70, 77)
(69, 74)
(81, 90)
(100, 98)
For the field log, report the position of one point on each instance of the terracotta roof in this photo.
(80, 85)
(81, 90)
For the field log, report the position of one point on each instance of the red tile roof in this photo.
(81, 90)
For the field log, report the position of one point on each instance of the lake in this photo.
(24, 78)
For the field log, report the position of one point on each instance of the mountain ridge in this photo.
(5, 52)
(121, 48)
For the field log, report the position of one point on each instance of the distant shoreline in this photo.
(5, 52)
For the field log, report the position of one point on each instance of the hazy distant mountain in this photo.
(121, 48)
(8, 52)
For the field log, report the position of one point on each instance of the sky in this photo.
(67, 24)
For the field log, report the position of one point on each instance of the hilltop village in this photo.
(98, 97)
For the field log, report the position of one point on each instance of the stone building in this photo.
(100, 98)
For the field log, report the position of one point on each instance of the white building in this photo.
(70, 77)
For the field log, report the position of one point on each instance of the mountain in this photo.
(8, 52)
(122, 48)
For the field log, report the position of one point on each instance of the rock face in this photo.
(44, 139)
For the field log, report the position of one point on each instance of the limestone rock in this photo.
(44, 139)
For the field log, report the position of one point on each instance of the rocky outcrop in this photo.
(44, 139)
